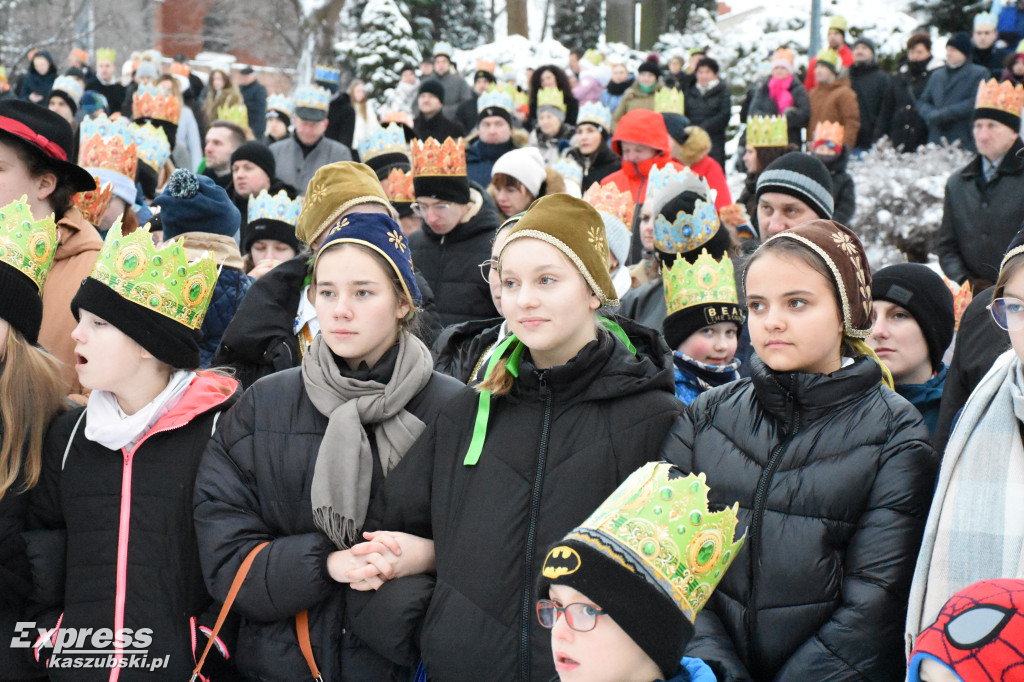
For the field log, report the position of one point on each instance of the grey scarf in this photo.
(344, 464)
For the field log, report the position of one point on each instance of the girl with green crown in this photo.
(25, 258)
(114, 548)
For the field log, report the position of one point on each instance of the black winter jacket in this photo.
(459, 348)
(341, 119)
(438, 127)
(843, 191)
(597, 166)
(874, 95)
(254, 486)
(833, 475)
(101, 503)
(480, 158)
(557, 445)
(979, 219)
(711, 111)
(645, 304)
(797, 116)
(908, 130)
(450, 263)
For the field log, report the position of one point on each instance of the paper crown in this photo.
(152, 102)
(312, 97)
(485, 65)
(105, 127)
(327, 74)
(280, 103)
(106, 54)
(27, 245)
(433, 159)
(180, 69)
(704, 281)
(151, 145)
(400, 187)
(962, 297)
(609, 199)
(1003, 96)
(830, 57)
(93, 204)
(236, 114)
(161, 280)
(595, 113)
(551, 97)
(827, 131)
(659, 526)
(669, 101)
(110, 154)
(280, 207)
(380, 140)
(442, 47)
(688, 231)
(569, 170)
(767, 131)
(496, 96)
(71, 87)
(521, 98)
(593, 56)
(661, 176)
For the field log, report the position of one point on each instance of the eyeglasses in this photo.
(485, 269)
(579, 617)
(1008, 313)
(438, 209)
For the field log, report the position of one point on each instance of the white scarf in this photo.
(109, 426)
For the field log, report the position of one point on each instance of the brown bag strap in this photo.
(302, 629)
(236, 585)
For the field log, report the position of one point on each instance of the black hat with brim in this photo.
(50, 134)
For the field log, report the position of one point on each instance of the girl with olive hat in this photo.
(307, 449)
(571, 404)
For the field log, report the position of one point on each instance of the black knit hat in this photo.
(270, 229)
(20, 305)
(676, 124)
(961, 42)
(259, 154)
(485, 74)
(434, 87)
(650, 67)
(921, 291)
(801, 176)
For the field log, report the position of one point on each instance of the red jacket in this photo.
(641, 126)
(710, 170)
(811, 82)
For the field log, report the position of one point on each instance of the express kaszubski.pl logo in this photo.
(89, 647)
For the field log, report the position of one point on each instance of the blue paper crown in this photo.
(327, 74)
(496, 97)
(151, 145)
(569, 169)
(312, 97)
(382, 234)
(687, 231)
(381, 141)
(595, 113)
(280, 207)
(280, 103)
(659, 178)
(107, 129)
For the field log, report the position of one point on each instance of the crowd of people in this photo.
(497, 382)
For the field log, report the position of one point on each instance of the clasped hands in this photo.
(385, 555)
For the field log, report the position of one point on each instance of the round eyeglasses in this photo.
(1008, 313)
(485, 269)
(579, 617)
(439, 209)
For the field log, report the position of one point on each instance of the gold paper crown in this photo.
(705, 281)
(668, 101)
(27, 245)
(767, 131)
(609, 199)
(551, 97)
(657, 525)
(430, 159)
(827, 131)
(152, 102)
(399, 187)
(161, 280)
(106, 54)
(109, 154)
(237, 114)
(94, 203)
(962, 297)
(1003, 96)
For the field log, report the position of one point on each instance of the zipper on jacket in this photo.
(538, 484)
(761, 501)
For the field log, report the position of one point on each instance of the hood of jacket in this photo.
(642, 126)
(76, 235)
(224, 249)
(696, 147)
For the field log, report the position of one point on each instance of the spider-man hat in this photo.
(979, 634)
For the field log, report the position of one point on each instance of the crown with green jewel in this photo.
(688, 231)
(668, 101)
(767, 131)
(704, 281)
(26, 244)
(657, 524)
(160, 279)
(280, 207)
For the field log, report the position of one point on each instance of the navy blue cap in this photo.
(195, 203)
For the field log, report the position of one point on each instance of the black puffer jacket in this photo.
(450, 262)
(597, 166)
(459, 348)
(875, 97)
(834, 476)
(557, 445)
(843, 190)
(907, 129)
(711, 111)
(254, 486)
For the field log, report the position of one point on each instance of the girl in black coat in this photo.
(570, 407)
(297, 462)
(832, 470)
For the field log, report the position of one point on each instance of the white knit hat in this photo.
(619, 237)
(525, 165)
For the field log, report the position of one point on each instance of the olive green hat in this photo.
(334, 189)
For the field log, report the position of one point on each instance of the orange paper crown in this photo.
(180, 69)
(109, 154)
(1000, 96)
(430, 159)
(485, 65)
(152, 102)
(399, 187)
(962, 297)
(827, 131)
(609, 199)
(93, 204)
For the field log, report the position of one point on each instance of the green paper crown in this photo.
(27, 245)
(663, 527)
(767, 131)
(160, 279)
(705, 281)
(668, 101)
(551, 97)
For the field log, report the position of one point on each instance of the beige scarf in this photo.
(344, 464)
